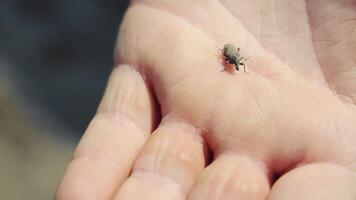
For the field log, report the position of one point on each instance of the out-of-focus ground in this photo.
(55, 59)
(32, 163)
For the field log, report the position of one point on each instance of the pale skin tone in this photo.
(172, 125)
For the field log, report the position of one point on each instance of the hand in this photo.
(171, 125)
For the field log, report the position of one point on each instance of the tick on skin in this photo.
(232, 56)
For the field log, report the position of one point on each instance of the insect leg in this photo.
(237, 67)
(243, 65)
(240, 59)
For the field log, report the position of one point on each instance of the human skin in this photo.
(173, 125)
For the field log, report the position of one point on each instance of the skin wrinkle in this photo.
(318, 26)
(174, 121)
(78, 157)
(187, 128)
(179, 82)
(119, 114)
(171, 123)
(140, 173)
(341, 41)
(119, 118)
(322, 69)
(257, 104)
(347, 69)
(344, 93)
(96, 154)
(333, 44)
(347, 95)
(276, 126)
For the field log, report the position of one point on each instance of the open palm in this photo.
(173, 125)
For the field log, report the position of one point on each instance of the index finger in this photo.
(104, 156)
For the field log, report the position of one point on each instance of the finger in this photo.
(106, 152)
(231, 177)
(167, 166)
(316, 182)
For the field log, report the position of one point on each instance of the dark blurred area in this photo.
(61, 53)
(55, 59)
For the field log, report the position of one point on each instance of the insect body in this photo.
(232, 56)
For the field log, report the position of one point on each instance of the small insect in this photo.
(232, 56)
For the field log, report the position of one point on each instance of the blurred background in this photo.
(55, 59)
